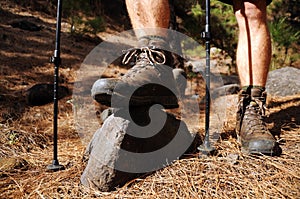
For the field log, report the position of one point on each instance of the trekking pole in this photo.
(206, 147)
(55, 59)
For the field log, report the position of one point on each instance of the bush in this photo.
(83, 17)
(223, 26)
(285, 32)
(95, 25)
(284, 36)
(283, 20)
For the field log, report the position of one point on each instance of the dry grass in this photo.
(229, 174)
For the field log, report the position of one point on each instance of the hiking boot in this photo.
(251, 129)
(152, 79)
(102, 89)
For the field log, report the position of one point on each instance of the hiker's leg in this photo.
(253, 59)
(149, 14)
(150, 21)
(254, 45)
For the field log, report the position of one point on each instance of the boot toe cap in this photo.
(260, 146)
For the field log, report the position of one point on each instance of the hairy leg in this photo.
(254, 45)
(149, 14)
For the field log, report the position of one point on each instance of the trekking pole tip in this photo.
(206, 149)
(55, 166)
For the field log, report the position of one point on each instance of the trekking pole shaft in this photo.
(205, 147)
(207, 94)
(58, 29)
(57, 61)
(207, 71)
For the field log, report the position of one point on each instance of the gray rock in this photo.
(217, 79)
(180, 79)
(225, 90)
(230, 79)
(106, 113)
(126, 147)
(283, 82)
(102, 152)
(41, 94)
(232, 158)
(25, 25)
(225, 108)
(199, 65)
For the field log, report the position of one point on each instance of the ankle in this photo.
(157, 42)
(249, 88)
(254, 91)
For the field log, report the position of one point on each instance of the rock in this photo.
(232, 158)
(106, 113)
(225, 90)
(199, 65)
(41, 94)
(127, 146)
(26, 25)
(217, 79)
(224, 108)
(180, 79)
(217, 94)
(230, 79)
(283, 82)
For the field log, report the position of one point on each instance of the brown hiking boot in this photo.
(152, 79)
(102, 90)
(251, 129)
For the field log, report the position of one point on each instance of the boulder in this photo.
(132, 144)
(25, 25)
(283, 82)
(229, 89)
(41, 94)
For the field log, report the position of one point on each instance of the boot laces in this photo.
(145, 54)
(253, 115)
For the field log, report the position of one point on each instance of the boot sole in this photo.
(103, 89)
(168, 102)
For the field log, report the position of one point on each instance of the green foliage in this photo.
(95, 25)
(194, 51)
(285, 32)
(197, 10)
(283, 16)
(13, 137)
(283, 37)
(75, 22)
(223, 25)
(192, 22)
(82, 16)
